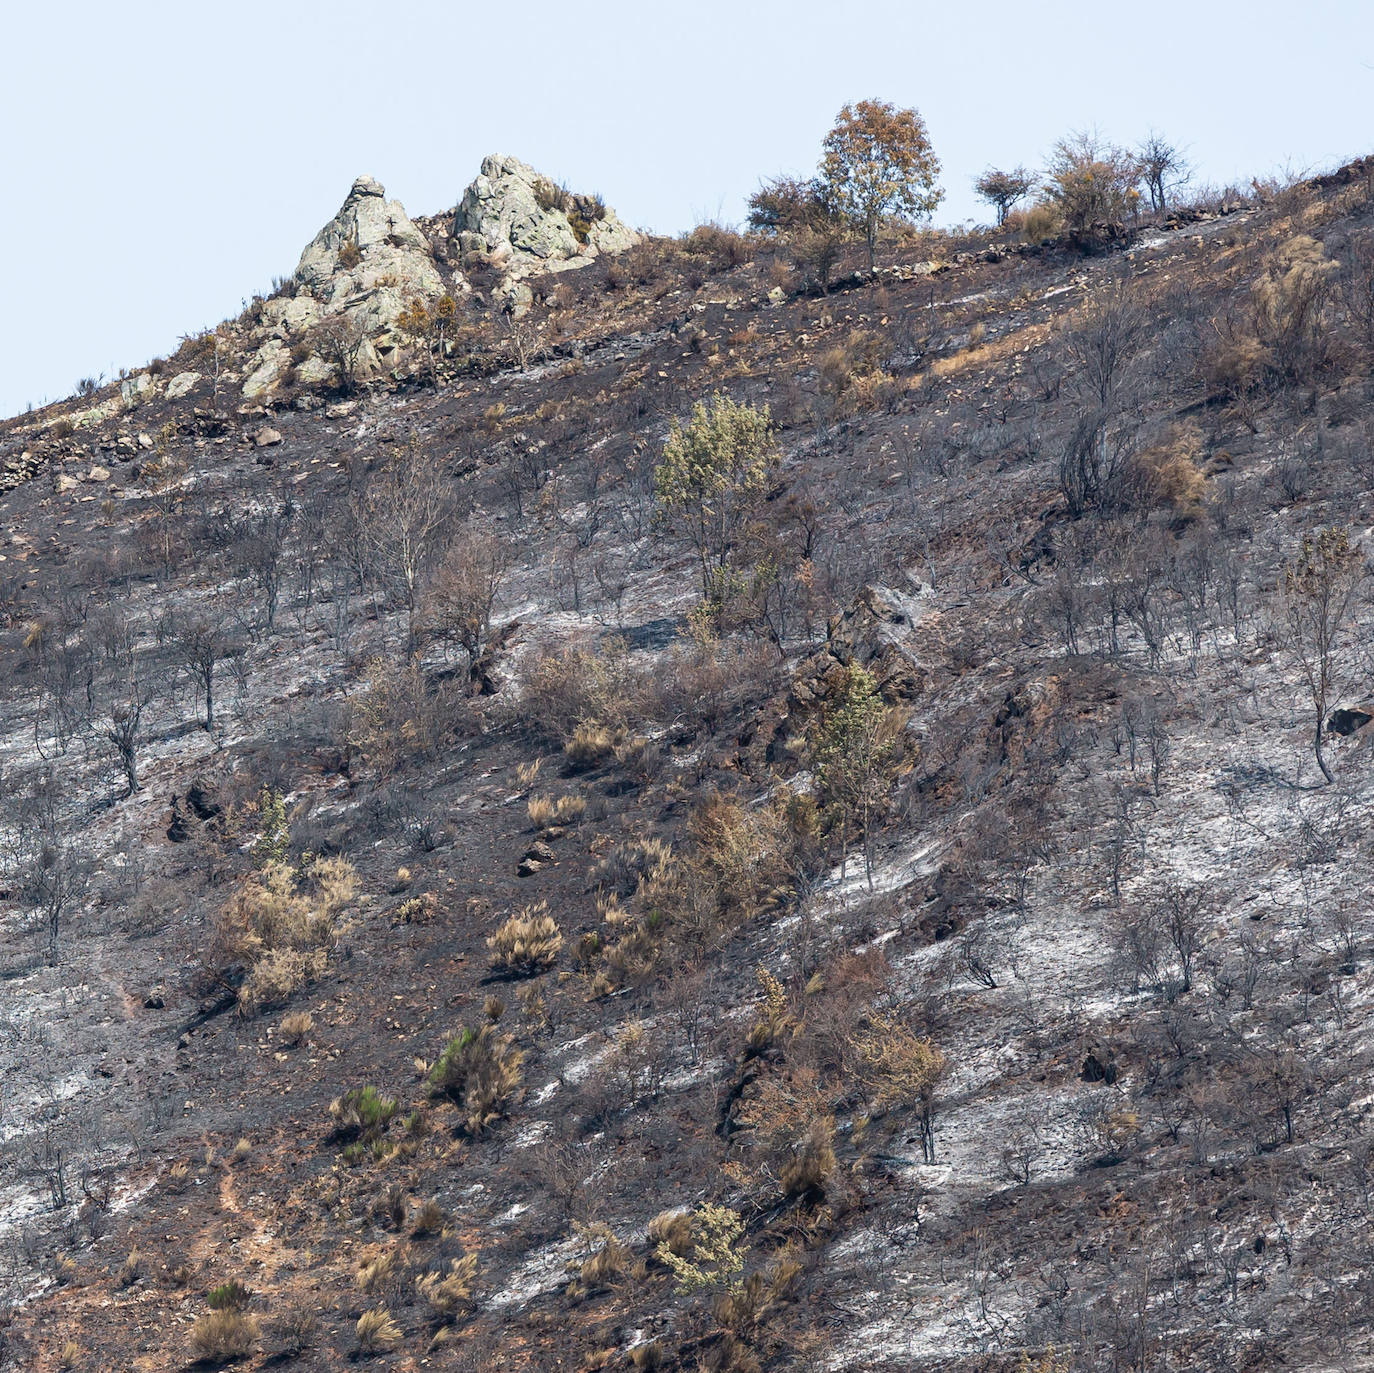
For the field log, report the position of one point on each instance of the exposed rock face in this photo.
(369, 261)
(370, 241)
(527, 224)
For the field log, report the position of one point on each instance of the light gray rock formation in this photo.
(369, 247)
(526, 223)
(369, 263)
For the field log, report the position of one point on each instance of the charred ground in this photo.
(1047, 500)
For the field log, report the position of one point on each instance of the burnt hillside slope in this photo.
(434, 935)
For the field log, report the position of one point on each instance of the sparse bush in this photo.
(716, 1257)
(527, 943)
(429, 1218)
(1291, 307)
(282, 923)
(350, 255)
(805, 1173)
(399, 717)
(853, 373)
(377, 1268)
(545, 812)
(673, 1230)
(377, 1331)
(901, 1068)
(609, 1261)
(479, 1070)
(714, 473)
(1042, 221)
(720, 247)
(449, 1294)
(1092, 184)
(578, 685)
(223, 1336)
(229, 1296)
(295, 1027)
(361, 1114)
(590, 746)
(294, 1331)
(786, 205)
(1169, 475)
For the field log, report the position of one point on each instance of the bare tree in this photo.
(401, 517)
(125, 684)
(197, 641)
(1318, 592)
(47, 870)
(340, 339)
(1163, 169)
(458, 603)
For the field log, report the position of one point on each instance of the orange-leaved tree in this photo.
(878, 161)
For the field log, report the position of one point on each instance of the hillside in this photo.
(450, 922)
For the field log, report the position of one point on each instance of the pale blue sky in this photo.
(164, 161)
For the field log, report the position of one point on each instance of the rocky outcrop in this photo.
(526, 223)
(369, 262)
(368, 257)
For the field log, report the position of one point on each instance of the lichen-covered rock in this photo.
(525, 223)
(370, 243)
(267, 366)
(181, 384)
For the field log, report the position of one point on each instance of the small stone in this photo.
(145, 442)
(98, 474)
(267, 437)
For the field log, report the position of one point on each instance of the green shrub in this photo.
(361, 1113)
(479, 1070)
(229, 1296)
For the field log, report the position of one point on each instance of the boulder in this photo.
(134, 389)
(1350, 718)
(290, 316)
(181, 384)
(523, 222)
(265, 368)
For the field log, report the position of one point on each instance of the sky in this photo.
(162, 162)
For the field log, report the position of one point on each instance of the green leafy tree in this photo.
(878, 161)
(714, 473)
(854, 753)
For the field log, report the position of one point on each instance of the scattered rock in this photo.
(98, 474)
(267, 437)
(181, 384)
(537, 856)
